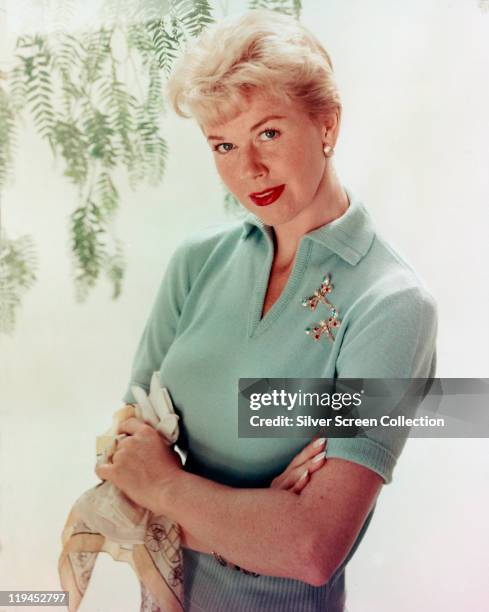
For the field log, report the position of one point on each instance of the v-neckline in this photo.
(257, 323)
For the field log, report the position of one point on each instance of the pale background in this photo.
(414, 147)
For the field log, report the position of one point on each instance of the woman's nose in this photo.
(252, 165)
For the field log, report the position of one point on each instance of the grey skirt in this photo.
(210, 587)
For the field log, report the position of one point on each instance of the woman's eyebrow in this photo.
(265, 119)
(257, 125)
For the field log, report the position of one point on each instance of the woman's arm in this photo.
(294, 479)
(273, 532)
(263, 530)
(267, 531)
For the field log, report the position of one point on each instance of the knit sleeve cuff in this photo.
(363, 451)
(128, 397)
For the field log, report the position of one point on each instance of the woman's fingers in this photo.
(316, 462)
(305, 474)
(301, 482)
(296, 478)
(313, 448)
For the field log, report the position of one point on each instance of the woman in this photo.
(262, 90)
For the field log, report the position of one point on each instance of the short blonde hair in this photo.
(260, 50)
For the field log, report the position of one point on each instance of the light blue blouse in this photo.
(205, 331)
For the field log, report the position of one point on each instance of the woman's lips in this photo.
(264, 198)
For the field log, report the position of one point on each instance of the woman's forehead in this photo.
(253, 108)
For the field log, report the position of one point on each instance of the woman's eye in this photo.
(268, 134)
(224, 147)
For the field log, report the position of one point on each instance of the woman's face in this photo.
(271, 158)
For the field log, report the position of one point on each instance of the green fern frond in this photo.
(197, 17)
(70, 53)
(7, 136)
(165, 46)
(88, 246)
(114, 267)
(158, 157)
(297, 8)
(18, 265)
(74, 146)
(120, 106)
(289, 7)
(90, 229)
(69, 59)
(139, 38)
(98, 134)
(149, 10)
(18, 89)
(154, 103)
(37, 63)
(97, 45)
(107, 194)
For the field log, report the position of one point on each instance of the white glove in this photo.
(157, 409)
(105, 509)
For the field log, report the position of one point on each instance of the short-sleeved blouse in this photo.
(205, 331)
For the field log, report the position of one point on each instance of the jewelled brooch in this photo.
(327, 325)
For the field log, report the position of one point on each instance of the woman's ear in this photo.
(330, 127)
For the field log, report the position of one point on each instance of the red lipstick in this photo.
(268, 196)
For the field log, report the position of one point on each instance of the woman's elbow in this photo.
(316, 571)
(316, 576)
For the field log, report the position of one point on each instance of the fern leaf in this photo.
(7, 136)
(197, 17)
(289, 7)
(114, 267)
(18, 265)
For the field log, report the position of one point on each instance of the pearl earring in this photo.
(328, 150)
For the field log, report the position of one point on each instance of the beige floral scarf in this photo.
(103, 519)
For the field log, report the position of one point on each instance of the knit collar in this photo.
(349, 236)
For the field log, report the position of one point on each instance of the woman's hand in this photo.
(298, 473)
(142, 464)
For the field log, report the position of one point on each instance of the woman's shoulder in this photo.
(389, 286)
(393, 269)
(375, 269)
(216, 240)
(208, 237)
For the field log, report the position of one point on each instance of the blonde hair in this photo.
(260, 50)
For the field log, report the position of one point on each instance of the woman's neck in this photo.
(332, 203)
